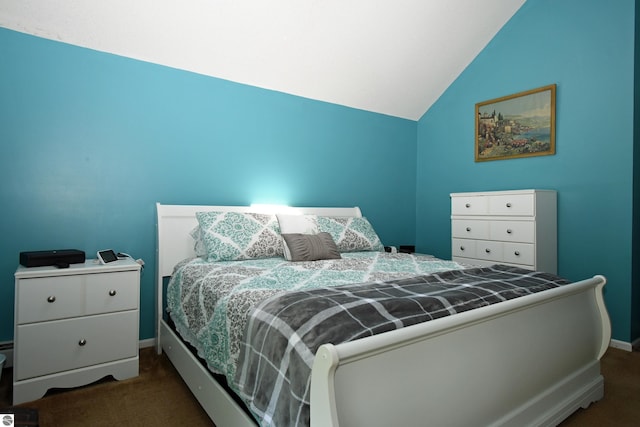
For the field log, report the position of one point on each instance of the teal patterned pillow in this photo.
(230, 236)
(351, 234)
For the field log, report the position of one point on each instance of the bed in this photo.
(531, 360)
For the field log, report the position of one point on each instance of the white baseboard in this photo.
(149, 342)
(622, 345)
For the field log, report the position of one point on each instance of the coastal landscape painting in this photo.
(519, 125)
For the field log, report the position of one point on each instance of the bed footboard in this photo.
(528, 361)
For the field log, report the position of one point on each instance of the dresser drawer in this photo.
(512, 231)
(50, 298)
(519, 253)
(61, 345)
(489, 250)
(470, 229)
(469, 205)
(463, 248)
(111, 292)
(512, 204)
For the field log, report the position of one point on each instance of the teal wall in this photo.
(90, 141)
(586, 47)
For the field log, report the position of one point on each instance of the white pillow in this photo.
(296, 224)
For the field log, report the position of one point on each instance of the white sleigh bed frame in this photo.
(530, 361)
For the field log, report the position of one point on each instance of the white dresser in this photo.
(74, 326)
(516, 227)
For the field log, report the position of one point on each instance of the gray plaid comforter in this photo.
(284, 332)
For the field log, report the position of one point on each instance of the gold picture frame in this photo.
(519, 125)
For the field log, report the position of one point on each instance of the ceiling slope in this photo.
(394, 57)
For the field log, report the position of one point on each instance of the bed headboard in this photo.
(174, 223)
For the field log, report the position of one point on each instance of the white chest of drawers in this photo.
(516, 227)
(74, 326)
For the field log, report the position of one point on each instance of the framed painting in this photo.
(519, 125)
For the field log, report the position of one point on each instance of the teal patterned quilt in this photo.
(209, 302)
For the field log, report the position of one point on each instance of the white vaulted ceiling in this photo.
(394, 57)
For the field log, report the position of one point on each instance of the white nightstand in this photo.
(74, 326)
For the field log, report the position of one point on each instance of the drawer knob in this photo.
(51, 298)
(509, 231)
(468, 228)
(82, 342)
(467, 205)
(517, 253)
(508, 205)
(488, 250)
(462, 248)
(112, 293)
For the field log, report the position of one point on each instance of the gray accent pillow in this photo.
(311, 247)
